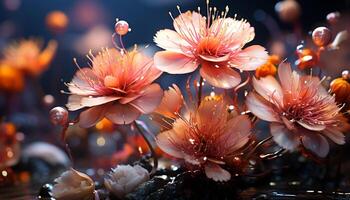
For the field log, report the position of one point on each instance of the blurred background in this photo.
(81, 25)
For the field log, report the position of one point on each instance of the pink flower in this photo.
(300, 110)
(215, 43)
(205, 136)
(118, 86)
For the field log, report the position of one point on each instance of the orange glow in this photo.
(11, 79)
(57, 21)
(105, 125)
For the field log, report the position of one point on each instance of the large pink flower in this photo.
(205, 136)
(118, 86)
(300, 110)
(213, 43)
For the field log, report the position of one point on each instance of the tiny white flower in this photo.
(125, 178)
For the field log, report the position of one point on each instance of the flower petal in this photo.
(122, 113)
(316, 143)
(149, 100)
(190, 25)
(220, 76)
(81, 83)
(335, 135)
(250, 58)
(261, 108)
(171, 103)
(170, 40)
(215, 172)
(95, 101)
(165, 141)
(236, 133)
(312, 127)
(283, 137)
(91, 116)
(174, 63)
(74, 102)
(268, 87)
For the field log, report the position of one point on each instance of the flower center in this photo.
(209, 46)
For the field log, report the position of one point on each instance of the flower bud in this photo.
(265, 70)
(341, 89)
(307, 58)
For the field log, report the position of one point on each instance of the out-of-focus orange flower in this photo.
(341, 88)
(56, 21)
(274, 59)
(307, 58)
(105, 125)
(269, 67)
(27, 56)
(11, 79)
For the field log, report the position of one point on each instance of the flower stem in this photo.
(200, 90)
(153, 153)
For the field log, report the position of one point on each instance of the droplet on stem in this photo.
(121, 27)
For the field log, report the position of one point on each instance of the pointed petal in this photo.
(268, 87)
(261, 108)
(237, 132)
(149, 100)
(250, 58)
(91, 116)
(215, 172)
(312, 127)
(220, 76)
(335, 135)
(174, 63)
(283, 137)
(122, 113)
(316, 143)
(285, 74)
(171, 103)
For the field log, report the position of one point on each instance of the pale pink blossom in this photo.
(118, 86)
(215, 43)
(301, 112)
(206, 136)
